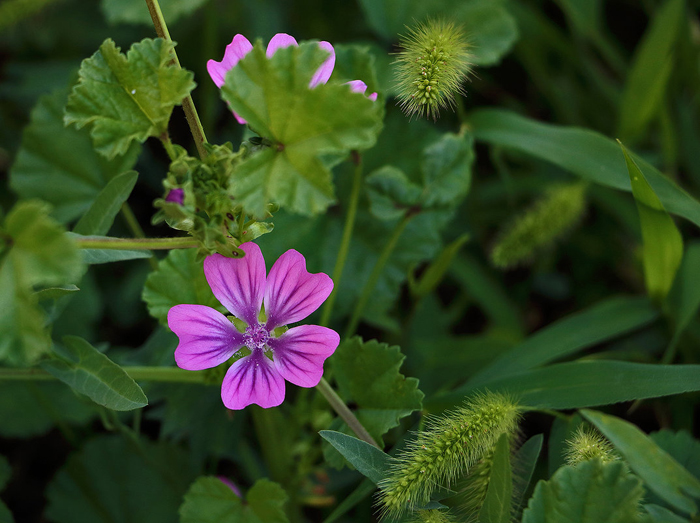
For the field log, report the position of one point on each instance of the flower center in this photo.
(256, 336)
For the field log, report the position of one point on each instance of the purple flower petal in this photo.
(252, 379)
(358, 86)
(300, 352)
(230, 484)
(207, 337)
(235, 51)
(292, 293)
(324, 72)
(238, 283)
(279, 41)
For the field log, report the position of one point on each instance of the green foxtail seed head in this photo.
(588, 444)
(541, 225)
(432, 67)
(448, 447)
(471, 489)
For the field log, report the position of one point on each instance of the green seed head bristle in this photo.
(449, 446)
(431, 68)
(588, 444)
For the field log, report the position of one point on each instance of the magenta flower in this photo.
(290, 294)
(240, 46)
(176, 196)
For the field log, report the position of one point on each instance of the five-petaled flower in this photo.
(263, 359)
(241, 46)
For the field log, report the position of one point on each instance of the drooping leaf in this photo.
(113, 478)
(90, 372)
(681, 446)
(650, 70)
(100, 216)
(663, 244)
(368, 374)
(662, 474)
(97, 256)
(125, 99)
(586, 383)
(136, 12)
(53, 293)
(661, 515)
(525, 460)
(309, 128)
(366, 458)
(210, 500)
(436, 270)
(601, 322)
(179, 279)
(591, 492)
(498, 502)
(585, 153)
(59, 164)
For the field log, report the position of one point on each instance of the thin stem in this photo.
(376, 272)
(168, 146)
(344, 412)
(345, 241)
(159, 374)
(187, 104)
(100, 242)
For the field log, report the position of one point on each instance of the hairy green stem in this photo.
(344, 412)
(345, 241)
(160, 374)
(376, 272)
(187, 104)
(103, 242)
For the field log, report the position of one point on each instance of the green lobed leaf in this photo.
(210, 500)
(100, 216)
(587, 383)
(366, 458)
(498, 501)
(663, 244)
(662, 474)
(446, 170)
(681, 446)
(42, 253)
(127, 98)
(59, 164)
(38, 253)
(582, 152)
(89, 372)
(179, 279)
(591, 492)
(651, 67)
(581, 330)
(368, 374)
(116, 479)
(136, 12)
(391, 194)
(309, 128)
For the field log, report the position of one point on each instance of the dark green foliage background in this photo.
(556, 82)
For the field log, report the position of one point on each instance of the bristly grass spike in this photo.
(432, 67)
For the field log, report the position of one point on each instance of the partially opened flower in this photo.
(241, 46)
(263, 359)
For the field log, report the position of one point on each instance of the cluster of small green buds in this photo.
(431, 68)
(540, 226)
(587, 444)
(447, 449)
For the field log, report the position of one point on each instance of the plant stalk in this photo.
(104, 242)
